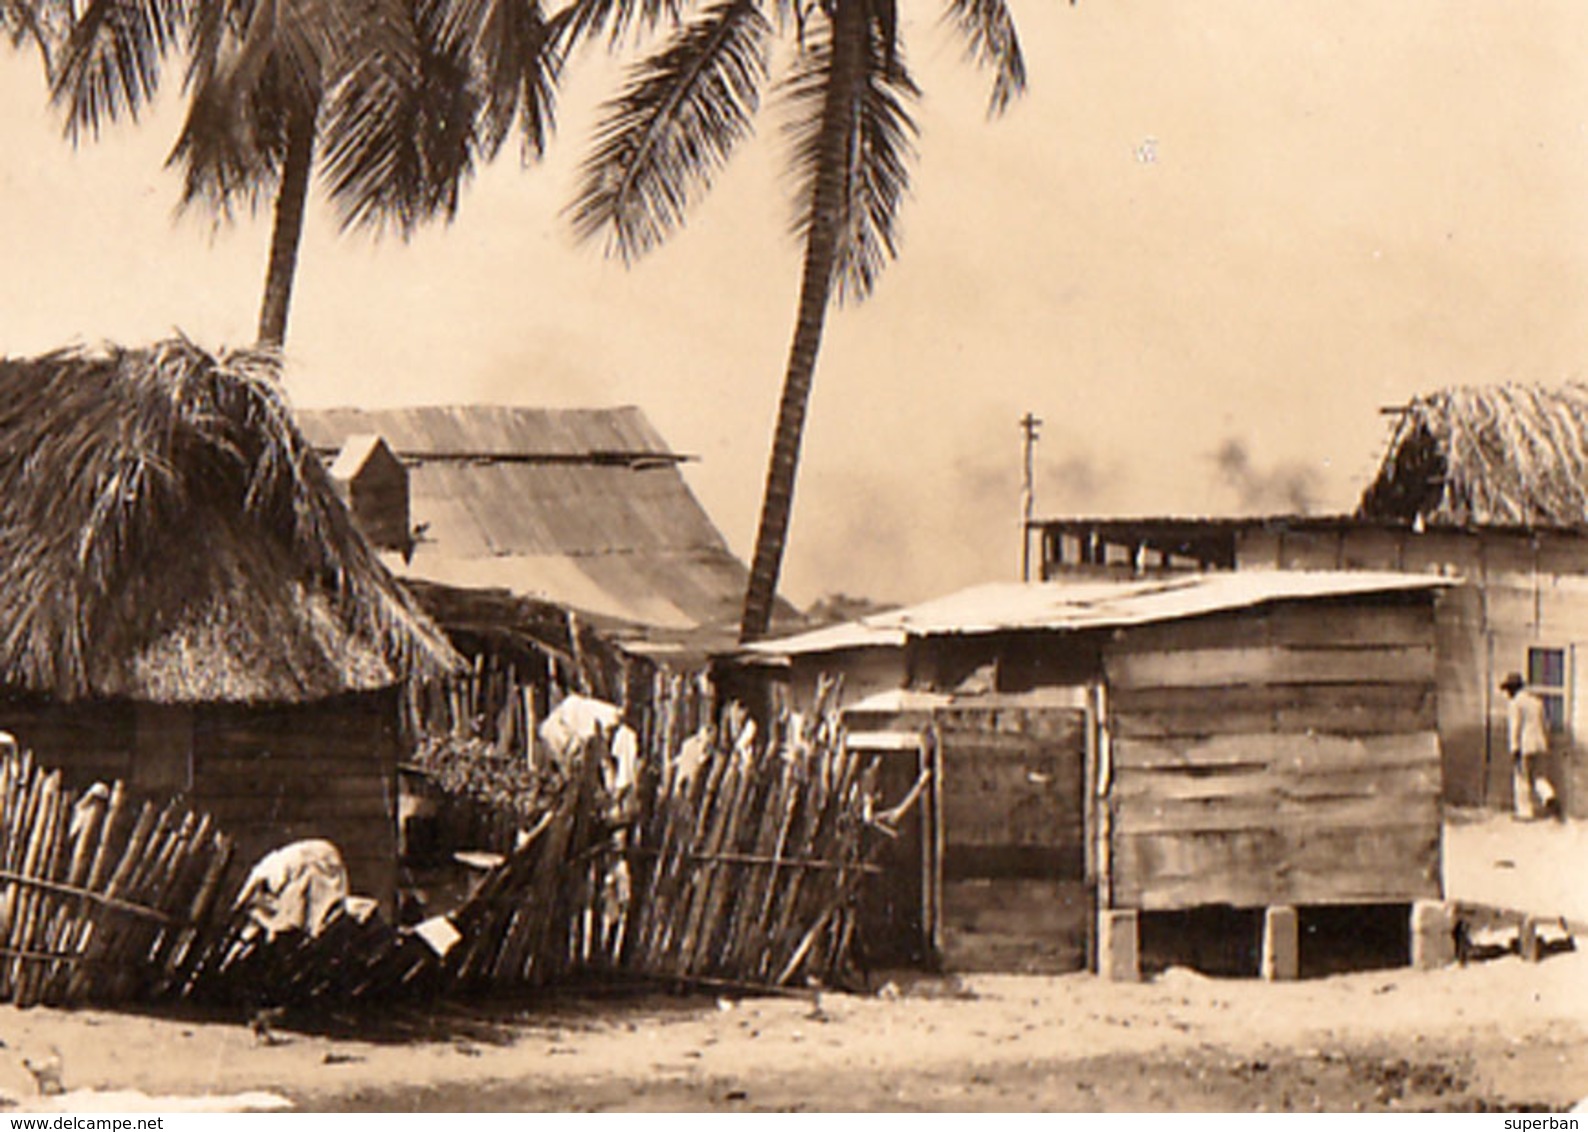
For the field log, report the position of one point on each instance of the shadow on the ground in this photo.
(491, 1019)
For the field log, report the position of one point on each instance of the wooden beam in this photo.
(1219, 667)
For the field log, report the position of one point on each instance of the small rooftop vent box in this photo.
(373, 482)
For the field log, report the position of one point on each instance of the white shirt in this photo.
(1525, 724)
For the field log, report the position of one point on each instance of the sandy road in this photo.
(1491, 1034)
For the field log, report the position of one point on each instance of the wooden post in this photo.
(1119, 945)
(934, 842)
(1433, 935)
(1528, 945)
(1089, 820)
(1028, 426)
(1281, 944)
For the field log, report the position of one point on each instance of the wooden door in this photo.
(896, 903)
(1010, 809)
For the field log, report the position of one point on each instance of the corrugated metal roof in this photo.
(1070, 606)
(502, 430)
(625, 540)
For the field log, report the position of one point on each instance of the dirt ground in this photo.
(1539, 867)
(1498, 1034)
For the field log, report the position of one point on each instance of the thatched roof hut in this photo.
(1500, 455)
(167, 536)
(187, 607)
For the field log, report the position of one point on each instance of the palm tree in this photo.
(393, 101)
(679, 119)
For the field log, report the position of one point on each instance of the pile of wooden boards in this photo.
(101, 898)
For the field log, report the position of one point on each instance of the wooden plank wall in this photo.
(864, 672)
(268, 775)
(1521, 589)
(1014, 895)
(1287, 756)
(277, 774)
(1549, 612)
(1466, 693)
(88, 742)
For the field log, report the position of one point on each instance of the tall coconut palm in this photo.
(394, 102)
(685, 109)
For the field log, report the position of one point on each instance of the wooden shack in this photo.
(185, 604)
(1484, 486)
(1102, 751)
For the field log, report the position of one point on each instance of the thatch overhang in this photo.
(167, 535)
(500, 622)
(1500, 455)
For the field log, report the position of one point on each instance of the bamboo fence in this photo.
(352, 960)
(491, 700)
(747, 871)
(102, 898)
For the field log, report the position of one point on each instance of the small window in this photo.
(1546, 675)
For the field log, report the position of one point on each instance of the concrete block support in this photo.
(1119, 944)
(1281, 943)
(1433, 935)
(1528, 944)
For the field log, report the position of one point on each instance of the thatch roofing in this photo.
(166, 534)
(1501, 455)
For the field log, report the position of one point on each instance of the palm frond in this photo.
(255, 66)
(663, 139)
(43, 23)
(111, 61)
(300, 47)
(519, 53)
(585, 20)
(992, 42)
(231, 146)
(873, 153)
(400, 137)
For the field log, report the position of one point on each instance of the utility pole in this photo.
(1029, 425)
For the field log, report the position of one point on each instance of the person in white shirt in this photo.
(1527, 734)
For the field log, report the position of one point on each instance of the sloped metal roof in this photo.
(491, 430)
(583, 507)
(1071, 606)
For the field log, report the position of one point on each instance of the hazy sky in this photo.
(1206, 248)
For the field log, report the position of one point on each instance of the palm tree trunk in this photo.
(816, 285)
(291, 203)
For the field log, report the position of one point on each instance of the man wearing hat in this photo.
(1528, 734)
